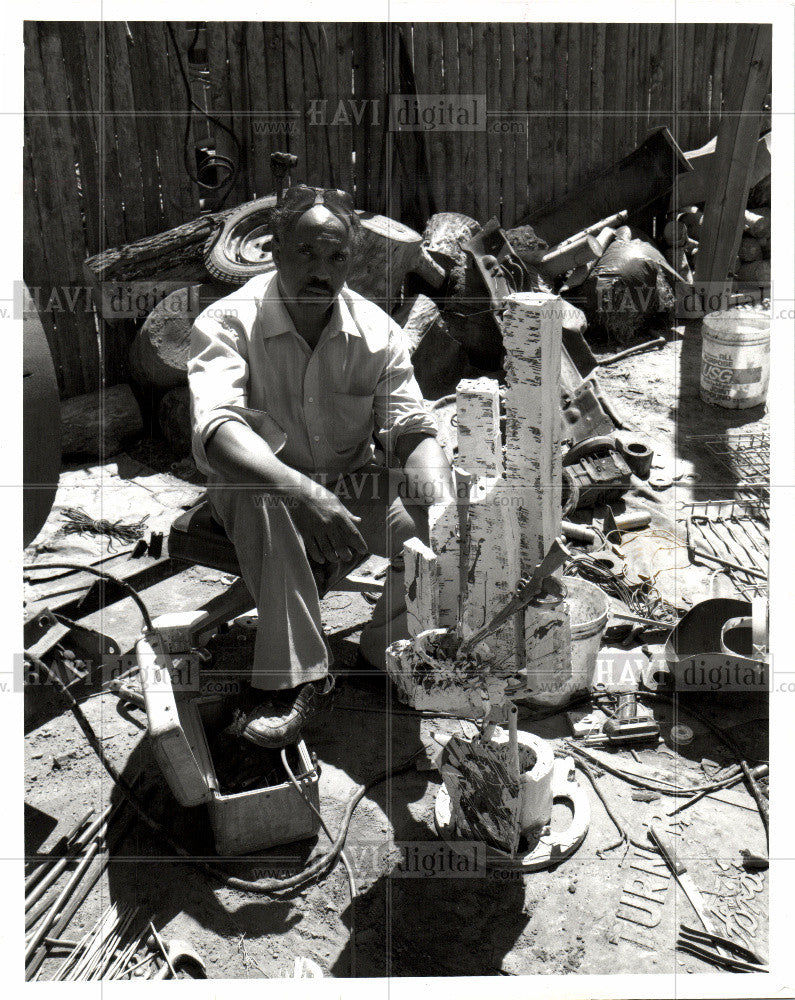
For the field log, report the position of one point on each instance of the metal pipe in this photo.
(65, 843)
(756, 791)
(81, 842)
(41, 932)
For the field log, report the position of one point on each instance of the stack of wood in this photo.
(752, 265)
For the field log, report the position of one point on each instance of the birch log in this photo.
(422, 587)
(532, 336)
(478, 417)
(534, 474)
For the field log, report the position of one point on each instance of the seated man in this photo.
(289, 376)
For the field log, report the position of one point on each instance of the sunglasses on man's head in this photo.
(301, 197)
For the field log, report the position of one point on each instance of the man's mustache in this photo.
(318, 286)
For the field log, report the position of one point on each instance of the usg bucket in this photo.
(735, 358)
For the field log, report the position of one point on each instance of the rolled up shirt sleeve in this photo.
(217, 379)
(398, 404)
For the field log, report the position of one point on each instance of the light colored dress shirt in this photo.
(316, 408)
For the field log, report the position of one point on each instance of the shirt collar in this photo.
(276, 320)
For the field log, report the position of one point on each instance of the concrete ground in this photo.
(554, 921)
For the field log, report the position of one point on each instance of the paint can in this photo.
(735, 358)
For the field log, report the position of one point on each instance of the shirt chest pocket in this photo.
(352, 420)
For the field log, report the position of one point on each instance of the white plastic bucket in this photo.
(735, 358)
(587, 608)
(588, 611)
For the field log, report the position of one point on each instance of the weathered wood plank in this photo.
(84, 128)
(376, 150)
(422, 587)
(259, 142)
(597, 119)
(175, 99)
(35, 268)
(721, 229)
(521, 159)
(584, 101)
(452, 139)
(495, 157)
(240, 111)
(466, 202)
(575, 68)
(289, 63)
(343, 165)
(481, 211)
(718, 49)
(147, 125)
(548, 123)
(56, 190)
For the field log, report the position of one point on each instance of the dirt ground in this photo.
(555, 921)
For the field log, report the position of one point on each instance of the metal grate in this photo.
(746, 456)
(726, 532)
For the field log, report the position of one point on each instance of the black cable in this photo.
(265, 887)
(217, 159)
(103, 575)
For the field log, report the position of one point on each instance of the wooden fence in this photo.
(106, 114)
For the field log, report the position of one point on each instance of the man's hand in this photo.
(328, 529)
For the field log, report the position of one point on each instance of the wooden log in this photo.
(422, 587)
(387, 252)
(750, 249)
(478, 419)
(493, 566)
(757, 224)
(443, 532)
(532, 333)
(98, 425)
(756, 271)
(159, 353)
(173, 415)
(562, 259)
(734, 158)
(129, 281)
(439, 361)
(444, 235)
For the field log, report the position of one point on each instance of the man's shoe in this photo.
(278, 721)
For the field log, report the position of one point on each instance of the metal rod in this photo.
(49, 918)
(119, 944)
(76, 972)
(163, 949)
(756, 791)
(64, 844)
(513, 743)
(89, 833)
(119, 967)
(82, 943)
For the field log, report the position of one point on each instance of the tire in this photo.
(241, 251)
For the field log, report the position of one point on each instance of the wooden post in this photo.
(532, 332)
(735, 154)
(422, 587)
(478, 416)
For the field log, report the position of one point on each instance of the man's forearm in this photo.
(429, 477)
(240, 455)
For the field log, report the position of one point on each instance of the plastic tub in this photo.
(588, 611)
(735, 358)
